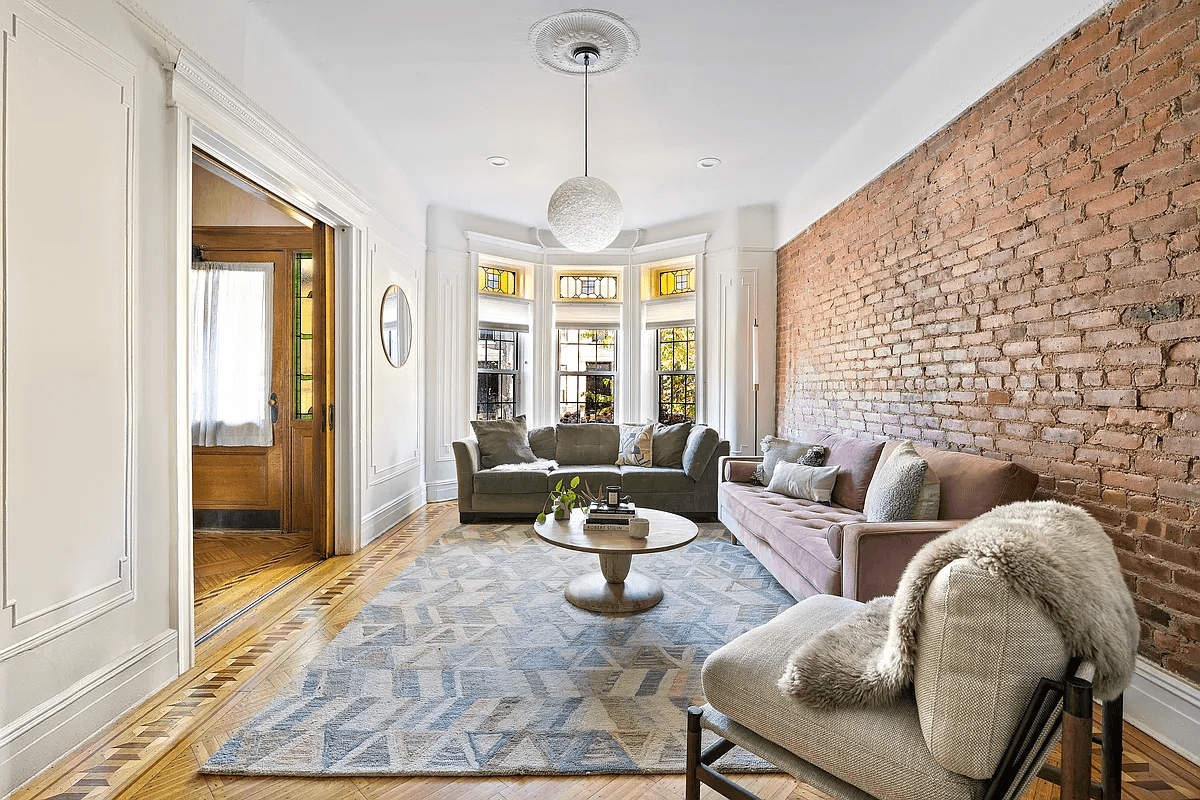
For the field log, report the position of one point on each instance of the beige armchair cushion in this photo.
(980, 654)
(879, 750)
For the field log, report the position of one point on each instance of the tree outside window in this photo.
(676, 369)
(497, 362)
(587, 374)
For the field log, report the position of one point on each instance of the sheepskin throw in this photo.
(1049, 552)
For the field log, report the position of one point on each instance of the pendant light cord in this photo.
(587, 60)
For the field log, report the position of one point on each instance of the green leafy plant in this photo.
(562, 499)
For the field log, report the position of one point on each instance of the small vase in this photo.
(561, 512)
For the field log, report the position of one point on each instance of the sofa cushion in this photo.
(879, 750)
(972, 485)
(803, 482)
(896, 486)
(502, 441)
(669, 444)
(655, 479)
(855, 460)
(776, 450)
(592, 477)
(543, 442)
(971, 690)
(636, 443)
(701, 444)
(495, 481)
(586, 443)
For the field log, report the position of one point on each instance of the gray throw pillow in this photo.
(702, 443)
(776, 451)
(803, 482)
(543, 442)
(896, 486)
(502, 441)
(669, 443)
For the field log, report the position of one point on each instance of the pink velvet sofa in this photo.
(813, 549)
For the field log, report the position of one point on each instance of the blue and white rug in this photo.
(471, 662)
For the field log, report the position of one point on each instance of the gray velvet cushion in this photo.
(543, 442)
(776, 450)
(587, 443)
(491, 481)
(896, 486)
(702, 443)
(502, 441)
(879, 750)
(655, 479)
(592, 477)
(669, 443)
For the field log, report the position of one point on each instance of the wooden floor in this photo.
(155, 750)
(231, 569)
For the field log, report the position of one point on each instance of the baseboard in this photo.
(38, 738)
(1165, 707)
(440, 491)
(391, 514)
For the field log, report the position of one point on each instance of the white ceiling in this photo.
(767, 86)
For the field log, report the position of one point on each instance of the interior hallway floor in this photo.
(156, 749)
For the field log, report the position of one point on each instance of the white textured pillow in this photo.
(803, 482)
(896, 486)
(636, 443)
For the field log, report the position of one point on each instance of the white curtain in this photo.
(231, 316)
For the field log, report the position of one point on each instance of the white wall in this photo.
(85, 626)
(88, 529)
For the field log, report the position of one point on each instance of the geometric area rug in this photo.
(471, 662)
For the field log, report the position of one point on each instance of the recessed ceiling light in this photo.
(708, 163)
(498, 161)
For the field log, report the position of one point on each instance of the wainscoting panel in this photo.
(394, 393)
(67, 527)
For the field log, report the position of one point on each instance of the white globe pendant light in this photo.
(585, 213)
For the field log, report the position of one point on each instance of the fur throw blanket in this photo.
(1052, 553)
(540, 465)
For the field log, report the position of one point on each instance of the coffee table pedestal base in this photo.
(593, 593)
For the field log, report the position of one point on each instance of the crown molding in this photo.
(208, 96)
(682, 246)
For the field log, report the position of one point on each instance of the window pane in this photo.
(497, 360)
(302, 334)
(587, 379)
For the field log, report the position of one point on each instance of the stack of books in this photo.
(601, 517)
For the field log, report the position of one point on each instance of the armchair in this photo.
(996, 665)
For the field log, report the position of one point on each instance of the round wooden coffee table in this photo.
(614, 589)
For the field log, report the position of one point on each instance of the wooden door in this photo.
(245, 487)
(324, 411)
(256, 483)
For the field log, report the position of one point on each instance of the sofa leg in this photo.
(464, 518)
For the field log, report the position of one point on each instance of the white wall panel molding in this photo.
(670, 248)
(453, 373)
(207, 94)
(69, 100)
(1165, 707)
(439, 491)
(386, 517)
(391, 412)
(45, 732)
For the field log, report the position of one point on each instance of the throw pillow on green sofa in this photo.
(502, 441)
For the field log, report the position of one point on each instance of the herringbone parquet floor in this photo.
(154, 751)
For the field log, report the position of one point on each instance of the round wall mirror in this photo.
(395, 326)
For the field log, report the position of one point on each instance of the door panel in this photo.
(323, 390)
(302, 477)
(243, 477)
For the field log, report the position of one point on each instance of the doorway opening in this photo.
(261, 366)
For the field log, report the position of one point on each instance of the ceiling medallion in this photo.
(553, 41)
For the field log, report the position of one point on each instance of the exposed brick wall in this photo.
(1026, 285)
